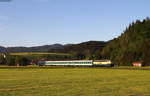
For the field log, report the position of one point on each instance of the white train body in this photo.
(105, 63)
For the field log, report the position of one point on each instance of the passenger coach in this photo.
(67, 63)
(103, 63)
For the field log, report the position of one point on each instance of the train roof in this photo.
(71, 61)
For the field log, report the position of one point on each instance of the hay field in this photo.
(74, 82)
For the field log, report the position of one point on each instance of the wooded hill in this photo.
(133, 45)
(85, 50)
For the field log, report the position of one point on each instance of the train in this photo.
(96, 63)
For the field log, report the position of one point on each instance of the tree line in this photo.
(24, 60)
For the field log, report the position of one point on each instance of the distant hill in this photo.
(84, 50)
(91, 46)
(44, 48)
(133, 45)
(3, 49)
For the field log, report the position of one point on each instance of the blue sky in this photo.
(40, 22)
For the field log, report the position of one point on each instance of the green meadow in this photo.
(74, 82)
(36, 53)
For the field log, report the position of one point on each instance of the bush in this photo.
(22, 61)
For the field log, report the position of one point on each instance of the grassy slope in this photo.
(74, 82)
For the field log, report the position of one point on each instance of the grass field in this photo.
(37, 53)
(74, 82)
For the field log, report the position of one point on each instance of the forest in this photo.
(132, 45)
